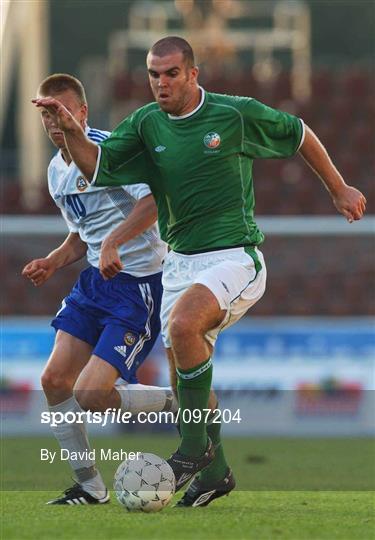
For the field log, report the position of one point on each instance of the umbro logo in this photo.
(121, 349)
(203, 498)
(184, 478)
(160, 149)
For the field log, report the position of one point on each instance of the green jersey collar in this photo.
(203, 95)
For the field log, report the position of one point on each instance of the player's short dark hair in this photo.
(60, 82)
(171, 44)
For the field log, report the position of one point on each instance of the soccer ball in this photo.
(146, 483)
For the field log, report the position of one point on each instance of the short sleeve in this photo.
(72, 227)
(138, 191)
(269, 133)
(120, 157)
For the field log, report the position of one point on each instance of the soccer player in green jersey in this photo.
(200, 148)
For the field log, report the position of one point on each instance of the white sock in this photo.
(95, 486)
(136, 398)
(73, 437)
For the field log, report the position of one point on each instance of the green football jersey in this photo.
(199, 166)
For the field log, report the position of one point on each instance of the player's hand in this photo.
(63, 118)
(39, 271)
(350, 202)
(109, 262)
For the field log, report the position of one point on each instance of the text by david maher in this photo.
(106, 454)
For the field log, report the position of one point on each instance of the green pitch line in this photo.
(242, 515)
(264, 506)
(258, 464)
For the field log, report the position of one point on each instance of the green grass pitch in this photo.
(287, 489)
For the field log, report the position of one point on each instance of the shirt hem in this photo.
(303, 134)
(95, 175)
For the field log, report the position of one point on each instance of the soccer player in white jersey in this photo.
(108, 323)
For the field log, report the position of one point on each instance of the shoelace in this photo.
(72, 490)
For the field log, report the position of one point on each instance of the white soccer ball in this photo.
(146, 483)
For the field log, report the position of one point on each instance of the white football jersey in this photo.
(94, 211)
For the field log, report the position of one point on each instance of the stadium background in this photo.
(307, 349)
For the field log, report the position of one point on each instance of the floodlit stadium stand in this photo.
(282, 187)
(340, 283)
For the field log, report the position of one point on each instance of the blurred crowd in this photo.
(341, 111)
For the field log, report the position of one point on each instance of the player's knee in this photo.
(54, 381)
(181, 328)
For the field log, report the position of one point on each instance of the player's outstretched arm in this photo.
(83, 152)
(143, 215)
(348, 200)
(71, 250)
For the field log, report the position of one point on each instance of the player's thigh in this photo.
(125, 348)
(97, 375)
(95, 385)
(168, 300)
(68, 357)
(237, 285)
(190, 308)
(197, 310)
(237, 288)
(202, 289)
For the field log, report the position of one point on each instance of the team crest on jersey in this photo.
(82, 183)
(212, 140)
(129, 339)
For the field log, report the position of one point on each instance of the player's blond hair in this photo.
(60, 82)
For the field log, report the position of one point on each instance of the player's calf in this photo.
(95, 400)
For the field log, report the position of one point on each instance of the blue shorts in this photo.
(118, 317)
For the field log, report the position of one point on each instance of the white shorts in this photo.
(230, 274)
